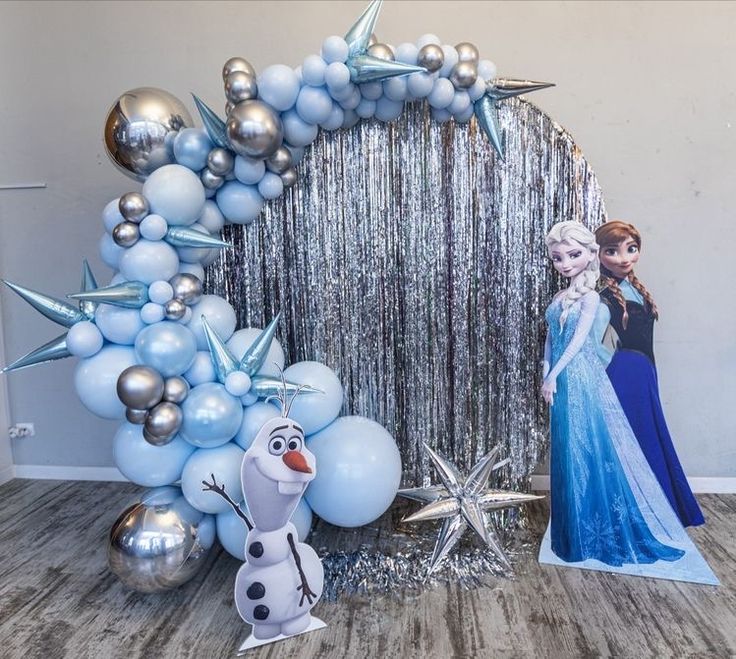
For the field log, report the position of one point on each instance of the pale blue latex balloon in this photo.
(460, 103)
(296, 130)
(212, 218)
(388, 110)
(314, 411)
(220, 316)
(313, 70)
(96, 380)
(406, 53)
(345, 93)
(451, 58)
(148, 261)
(366, 109)
(358, 471)
(478, 89)
(211, 415)
(168, 347)
(224, 463)
(334, 121)
(353, 100)
(297, 153)
(465, 116)
(145, 464)
(313, 104)
(241, 340)
(110, 252)
(152, 313)
(278, 85)
(232, 531)
(425, 40)
(441, 116)
(195, 269)
(442, 94)
(419, 85)
(254, 416)
(249, 170)
(334, 49)
(191, 148)
(487, 70)
(351, 119)
(271, 186)
(201, 370)
(117, 324)
(240, 204)
(395, 89)
(111, 216)
(160, 292)
(84, 339)
(176, 193)
(337, 76)
(153, 227)
(371, 91)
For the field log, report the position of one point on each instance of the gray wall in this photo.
(646, 88)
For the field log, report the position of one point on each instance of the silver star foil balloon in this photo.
(462, 502)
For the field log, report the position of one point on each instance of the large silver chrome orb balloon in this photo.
(254, 129)
(140, 387)
(136, 130)
(160, 542)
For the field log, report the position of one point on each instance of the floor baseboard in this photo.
(68, 473)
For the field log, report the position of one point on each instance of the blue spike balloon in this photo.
(256, 354)
(214, 126)
(60, 312)
(129, 294)
(359, 35)
(184, 237)
(89, 283)
(365, 68)
(487, 114)
(222, 359)
(54, 349)
(264, 386)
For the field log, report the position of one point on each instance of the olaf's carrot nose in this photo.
(296, 461)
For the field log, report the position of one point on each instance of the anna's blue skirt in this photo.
(634, 379)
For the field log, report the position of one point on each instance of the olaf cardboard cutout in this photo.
(282, 578)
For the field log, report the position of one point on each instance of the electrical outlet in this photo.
(20, 430)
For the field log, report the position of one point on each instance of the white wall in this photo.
(646, 88)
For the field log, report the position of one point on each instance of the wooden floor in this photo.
(58, 599)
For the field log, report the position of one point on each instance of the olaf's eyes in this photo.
(277, 445)
(295, 444)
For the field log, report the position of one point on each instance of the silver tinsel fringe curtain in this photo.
(410, 259)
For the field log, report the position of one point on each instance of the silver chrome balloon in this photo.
(467, 52)
(176, 389)
(133, 206)
(229, 108)
(220, 161)
(280, 161)
(140, 387)
(174, 309)
(431, 57)
(240, 86)
(210, 180)
(288, 177)
(162, 423)
(136, 128)
(237, 64)
(372, 40)
(159, 543)
(464, 74)
(187, 288)
(381, 51)
(136, 416)
(254, 129)
(126, 234)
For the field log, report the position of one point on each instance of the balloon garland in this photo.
(156, 351)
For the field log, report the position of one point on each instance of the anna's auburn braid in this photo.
(612, 285)
(645, 294)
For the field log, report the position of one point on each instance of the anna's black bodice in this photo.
(639, 332)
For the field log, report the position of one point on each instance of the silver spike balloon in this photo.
(214, 126)
(364, 68)
(54, 349)
(359, 35)
(129, 294)
(502, 88)
(185, 237)
(257, 352)
(60, 312)
(222, 359)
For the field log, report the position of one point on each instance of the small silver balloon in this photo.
(136, 416)
(133, 206)
(372, 40)
(464, 75)
(187, 287)
(431, 57)
(174, 309)
(137, 127)
(381, 51)
(126, 234)
(160, 542)
(254, 129)
(176, 389)
(288, 177)
(162, 423)
(140, 387)
(280, 161)
(210, 180)
(467, 52)
(220, 161)
(240, 86)
(237, 64)
(229, 107)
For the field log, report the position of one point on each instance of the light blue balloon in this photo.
(84, 339)
(337, 76)
(110, 251)
(419, 85)
(117, 324)
(366, 109)
(211, 415)
(111, 216)
(388, 110)
(406, 53)
(148, 261)
(271, 186)
(425, 40)
(195, 269)
(460, 103)
(297, 153)
(451, 58)
(152, 313)
(371, 90)
(335, 49)
(176, 193)
(296, 130)
(249, 170)
(395, 89)
(168, 347)
(278, 85)
(314, 104)
(145, 464)
(466, 115)
(254, 416)
(96, 380)
(358, 471)
(153, 227)
(478, 89)
(160, 292)
(351, 119)
(224, 463)
(487, 70)
(315, 410)
(442, 94)
(201, 370)
(345, 93)
(441, 116)
(334, 121)
(198, 254)
(313, 70)
(220, 317)
(241, 340)
(353, 100)
(240, 204)
(212, 218)
(191, 148)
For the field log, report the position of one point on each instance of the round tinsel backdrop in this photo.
(410, 259)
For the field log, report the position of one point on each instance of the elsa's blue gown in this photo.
(606, 505)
